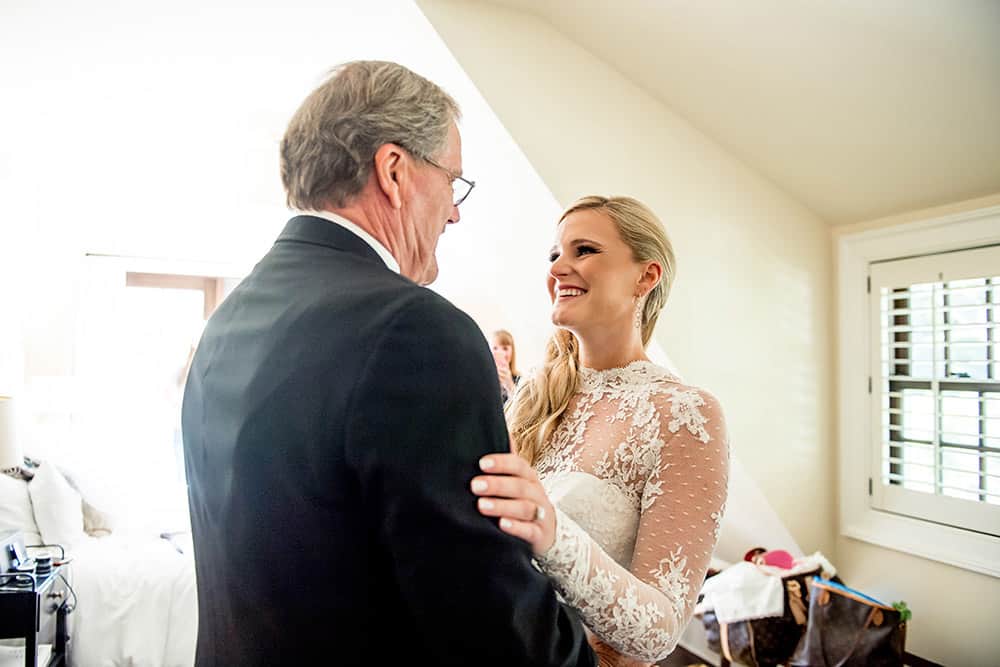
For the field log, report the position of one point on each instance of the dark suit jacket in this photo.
(333, 418)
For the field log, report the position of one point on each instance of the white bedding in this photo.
(136, 603)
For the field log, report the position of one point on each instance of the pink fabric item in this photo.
(779, 558)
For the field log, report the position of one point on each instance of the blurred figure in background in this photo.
(505, 356)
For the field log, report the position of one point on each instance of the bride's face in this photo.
(593, 277)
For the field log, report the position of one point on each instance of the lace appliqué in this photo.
(672, 578)
(684, 410)
(634, 464)
(637, 469)
(562, 455)
(614, 612)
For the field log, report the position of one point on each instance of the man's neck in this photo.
(378, 219)
(371, 223)
(360, 227)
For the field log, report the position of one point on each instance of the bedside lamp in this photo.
(11, 457)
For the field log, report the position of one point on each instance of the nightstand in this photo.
(34, 609)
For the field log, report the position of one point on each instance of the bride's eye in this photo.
(585, 249)
(553, 256)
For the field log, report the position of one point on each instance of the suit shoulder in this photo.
(441, 318)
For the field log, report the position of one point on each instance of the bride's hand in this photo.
(511, 491)
(609, 657)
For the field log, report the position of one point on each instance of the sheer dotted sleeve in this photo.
(642, 611)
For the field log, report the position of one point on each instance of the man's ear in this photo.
(390, 168)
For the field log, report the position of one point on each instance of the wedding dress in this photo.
(637, 470)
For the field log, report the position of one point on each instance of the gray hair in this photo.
(328, 150)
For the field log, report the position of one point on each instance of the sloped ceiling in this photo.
(857, 109)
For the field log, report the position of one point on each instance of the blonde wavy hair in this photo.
(535, 410)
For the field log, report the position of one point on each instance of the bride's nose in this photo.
(559, 268)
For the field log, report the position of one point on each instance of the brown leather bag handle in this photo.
(753, 649)
(724, 640)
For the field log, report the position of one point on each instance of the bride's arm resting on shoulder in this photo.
(641, 611)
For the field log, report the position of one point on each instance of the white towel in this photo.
(745, 590)
(742, 592)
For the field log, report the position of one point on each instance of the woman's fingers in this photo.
(521, 510)
(507, 464)
(511, 490)
(502, 486)
(529, 531)
(510, 476)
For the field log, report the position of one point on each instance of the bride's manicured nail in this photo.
(479, 485)
(485, 503)
(486, 464)
(505, 523)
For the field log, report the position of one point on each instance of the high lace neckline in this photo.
(638, 372)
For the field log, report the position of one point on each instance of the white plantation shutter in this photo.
(935, 371)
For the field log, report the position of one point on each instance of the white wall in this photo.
(750, 314)
(944, 627)
(767, 351)
(154, 132)
(152, 129)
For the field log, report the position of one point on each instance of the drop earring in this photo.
(637, 320)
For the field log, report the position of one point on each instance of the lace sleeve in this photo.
(642, 611)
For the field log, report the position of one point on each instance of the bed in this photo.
(135, 599)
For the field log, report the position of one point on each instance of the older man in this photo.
(336, 410)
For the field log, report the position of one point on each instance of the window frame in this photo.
(948, 267)
(858, 519)
(211, 287)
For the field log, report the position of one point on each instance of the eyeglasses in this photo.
(461, 187)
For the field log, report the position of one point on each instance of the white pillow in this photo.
(98, 520)
(58, 507)
(15, 509)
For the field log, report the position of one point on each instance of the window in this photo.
(154, 332)
(209, 289)
(139, 321)
(919, 388)
(936, 407)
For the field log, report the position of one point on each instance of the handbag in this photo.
(849, 629)
(764, 642)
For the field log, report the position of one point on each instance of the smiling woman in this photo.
(621, 470)
(611, 270)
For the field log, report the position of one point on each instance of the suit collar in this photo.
(333, 233)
